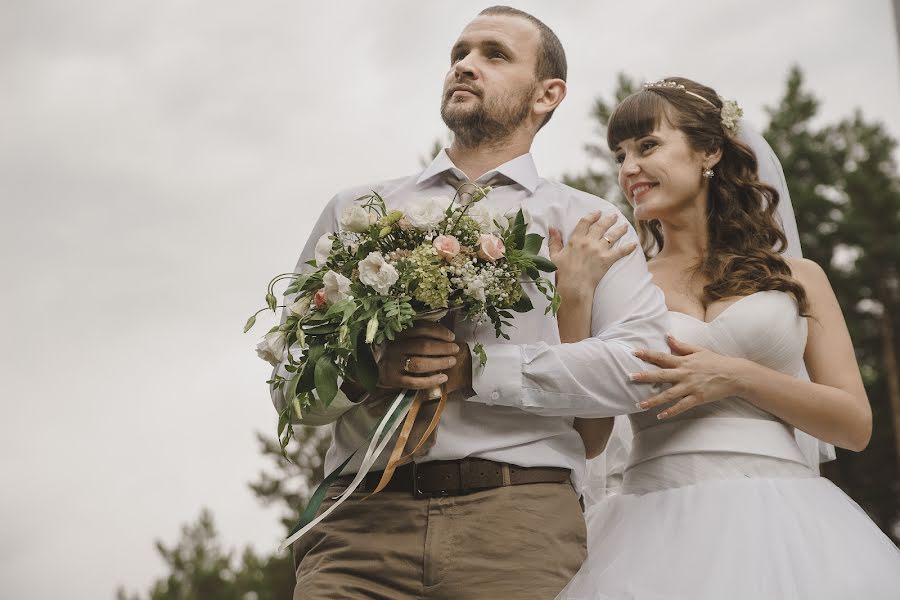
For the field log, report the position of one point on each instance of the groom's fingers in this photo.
(422, 347)
(434, 331)
(428, 364)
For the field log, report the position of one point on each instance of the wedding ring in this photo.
(406, 364)
(608, 241)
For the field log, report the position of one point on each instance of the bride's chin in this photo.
(642, 214)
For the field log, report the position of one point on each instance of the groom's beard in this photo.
(486, 120)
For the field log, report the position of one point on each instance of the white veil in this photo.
(604, 473)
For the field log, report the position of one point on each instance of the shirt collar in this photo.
(521, 169)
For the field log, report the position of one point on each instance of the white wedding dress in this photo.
(718, 503)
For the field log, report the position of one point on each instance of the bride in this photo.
(717, 499)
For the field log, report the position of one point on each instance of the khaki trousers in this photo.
(516, 542)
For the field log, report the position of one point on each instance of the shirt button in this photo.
(495, 395)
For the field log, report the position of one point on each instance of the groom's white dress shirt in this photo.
(533, 386)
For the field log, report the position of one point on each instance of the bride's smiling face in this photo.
(660, 173)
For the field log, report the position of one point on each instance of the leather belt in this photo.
(458, 477)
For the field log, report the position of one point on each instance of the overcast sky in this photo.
(161, 159)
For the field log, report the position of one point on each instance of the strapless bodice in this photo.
(764, 327)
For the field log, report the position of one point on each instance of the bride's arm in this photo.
(833, 406)
(580, 266)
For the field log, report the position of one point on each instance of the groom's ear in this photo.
(548, 96)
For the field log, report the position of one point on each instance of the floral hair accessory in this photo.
(730, 111)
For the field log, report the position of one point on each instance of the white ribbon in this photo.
(376, 447)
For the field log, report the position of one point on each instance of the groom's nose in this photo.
(465, 68)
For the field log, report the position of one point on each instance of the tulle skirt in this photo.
(722, 527)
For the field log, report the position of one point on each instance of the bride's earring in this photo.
(709, 173)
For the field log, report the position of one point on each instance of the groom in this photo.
(492, 509)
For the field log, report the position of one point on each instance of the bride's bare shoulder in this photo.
(807, 272)
(822, 300)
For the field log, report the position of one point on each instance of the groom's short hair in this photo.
(551, 57)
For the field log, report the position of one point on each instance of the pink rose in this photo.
(447, 246)
(319, 300)
(490, 247)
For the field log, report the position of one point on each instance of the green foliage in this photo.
(600, 177)
(436, 146)
(199, 569)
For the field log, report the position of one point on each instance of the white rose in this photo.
(323, 249)
(525, 213)
(337, 287)
(356, 218)
(271, 348)
(475, 288)
(485, 218)
(300, 307)
(378, 273)
(427, 213)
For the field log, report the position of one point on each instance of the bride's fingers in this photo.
(554, 243)
(601, 227)
(658, 376)
(660, 359)
(614, 233)
(624, 251)
(680, 348)
(685, 404)
(585, 222)
(673, 393)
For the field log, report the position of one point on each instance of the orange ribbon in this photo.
(396, 459)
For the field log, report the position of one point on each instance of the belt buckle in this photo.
(418, 493)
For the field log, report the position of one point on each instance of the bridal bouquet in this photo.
(379, 274)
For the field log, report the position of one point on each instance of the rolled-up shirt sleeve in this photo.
(589, 378)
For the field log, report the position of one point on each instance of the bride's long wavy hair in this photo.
(745, 241)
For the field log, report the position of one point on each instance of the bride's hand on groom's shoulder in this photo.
(589, 252)
(697, 376)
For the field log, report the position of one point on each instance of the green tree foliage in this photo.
(601, 176)
(290, 483)
(199, 569)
